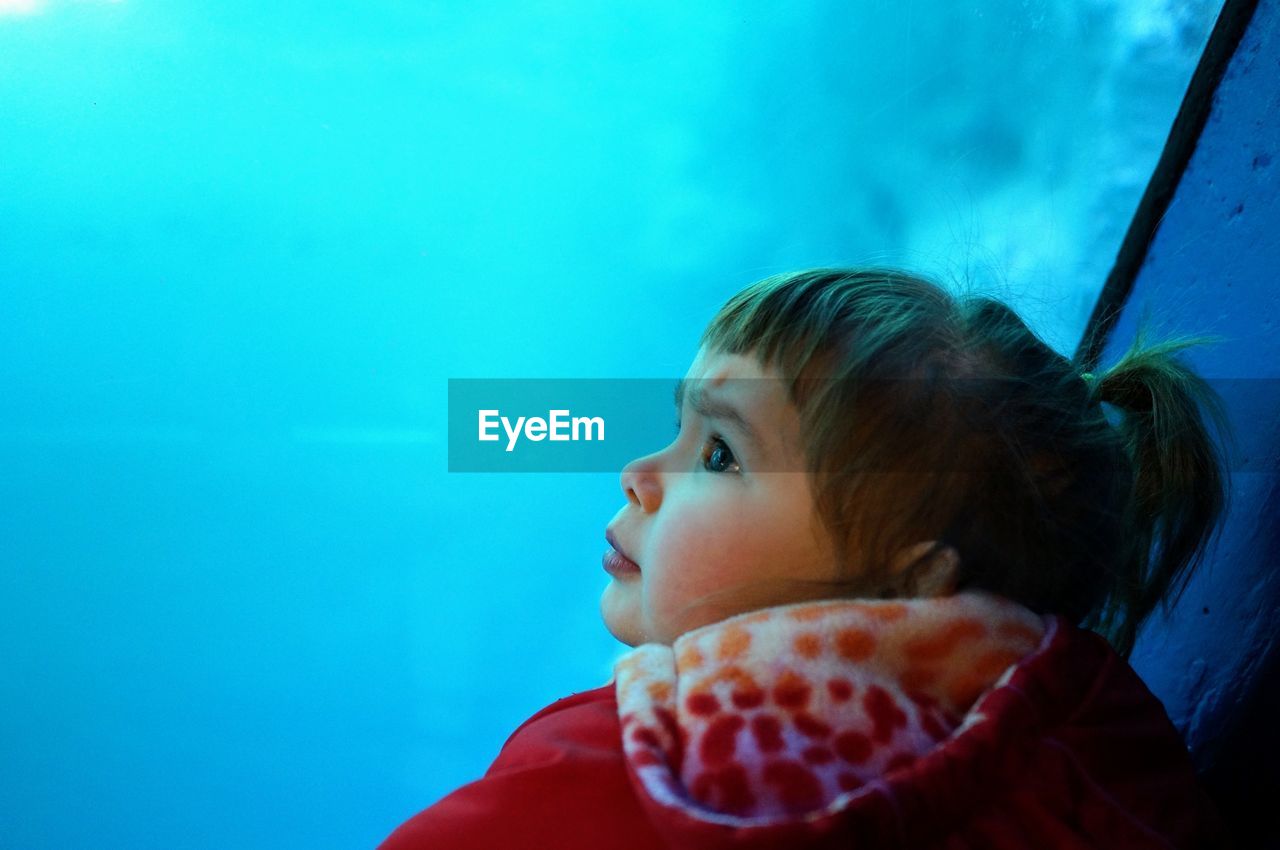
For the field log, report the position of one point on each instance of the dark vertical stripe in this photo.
(1232, 22)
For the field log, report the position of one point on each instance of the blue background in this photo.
(1214, 658)
(243, 246)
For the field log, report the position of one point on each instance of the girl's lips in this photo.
(619, 566)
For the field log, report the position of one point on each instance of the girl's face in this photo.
(721, 518)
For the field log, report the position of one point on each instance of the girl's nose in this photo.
(642, 484)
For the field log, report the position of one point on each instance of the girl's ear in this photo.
(915, 573)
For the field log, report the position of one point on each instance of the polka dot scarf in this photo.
(795, 709)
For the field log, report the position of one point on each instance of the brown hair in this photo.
(928, 416)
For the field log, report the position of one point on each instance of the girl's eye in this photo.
(716, 454)
(718, 457)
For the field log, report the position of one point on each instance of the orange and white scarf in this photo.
(796, 709)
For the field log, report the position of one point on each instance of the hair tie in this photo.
(1091, 387)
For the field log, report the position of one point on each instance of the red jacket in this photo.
(1075, 752)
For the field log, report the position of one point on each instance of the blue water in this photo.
(243, 246)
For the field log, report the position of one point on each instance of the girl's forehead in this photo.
(737, 387)
(715, 367)
(738, 378)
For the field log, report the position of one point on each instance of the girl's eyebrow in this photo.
(717, 409)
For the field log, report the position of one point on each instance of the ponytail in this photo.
(1181, 482)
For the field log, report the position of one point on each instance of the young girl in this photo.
(860, 585)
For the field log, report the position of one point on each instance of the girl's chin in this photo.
(619, 614)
